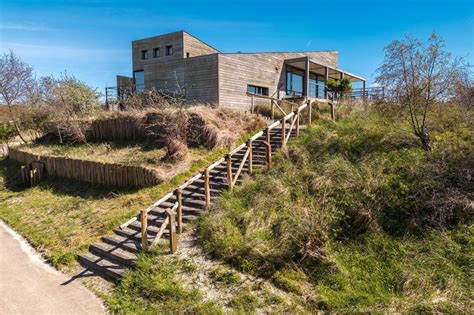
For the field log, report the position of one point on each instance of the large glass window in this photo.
(316, 86)
(139, 77)
(294, 83)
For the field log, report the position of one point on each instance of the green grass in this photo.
(62, 217)
(123, 152)
(356, 216)
(153, 288)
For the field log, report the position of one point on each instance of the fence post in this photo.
(229, 171)
(249, 145)
(309, 113)
(179, 198)
(172, 225)
(144, 222)
(207, 191)
(269, 149)
(283, 132)
(332, 111)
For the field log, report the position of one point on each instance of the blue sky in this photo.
(92, 38)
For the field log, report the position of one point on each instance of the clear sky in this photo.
(92, 38)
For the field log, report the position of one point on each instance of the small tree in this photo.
(340, 88)
(416, 76)
(17, 86)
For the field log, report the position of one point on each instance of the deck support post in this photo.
(326, 79)
(306, 78)
(228, 158)
(179, 198)
(269, 149)
(144, 229)
(249, 145)
(207, 191)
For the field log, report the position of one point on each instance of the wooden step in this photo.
(103, 266)
(136, 235)
(125, 243)
(113, 253)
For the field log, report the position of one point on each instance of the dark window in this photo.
(139, 77)
(257, 90)
(187, 55)
(144, 54)
(169, 50)
(156, 52)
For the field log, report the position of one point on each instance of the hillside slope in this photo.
(356, 217)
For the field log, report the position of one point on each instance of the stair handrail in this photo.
(170, 220)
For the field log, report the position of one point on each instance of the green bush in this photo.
(7, 131)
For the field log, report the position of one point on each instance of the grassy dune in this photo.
(356, 217)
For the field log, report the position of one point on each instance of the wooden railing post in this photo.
(272, 115)
(297, 113)
(249, 145)
(207, 191)
(252, 108)
(333, 114)
(144, 231)
(283, 132)
(228, 158)
(179, 198)
(309, 113)
(269, 148)
(172, 227)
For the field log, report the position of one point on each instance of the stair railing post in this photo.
(207, 191)
(144, 229)
(172, 227)
(269, 148)
(283, 132)
(249, 145)
(179, 198)
(309, 113)
(333, 114)
(252, 108)
(272, 115)
(228, 158)
(297, 127)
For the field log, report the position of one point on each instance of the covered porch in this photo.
(307, 77)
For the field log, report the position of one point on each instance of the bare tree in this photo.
(17, 85)
(417, 75)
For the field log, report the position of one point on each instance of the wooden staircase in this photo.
(117, 253)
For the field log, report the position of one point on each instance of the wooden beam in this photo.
(250, 144)
(326, 78)
(228, 158)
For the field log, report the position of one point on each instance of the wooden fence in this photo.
(118, 175)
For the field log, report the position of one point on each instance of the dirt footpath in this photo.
(30, 286)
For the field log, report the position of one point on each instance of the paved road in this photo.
(29, 286)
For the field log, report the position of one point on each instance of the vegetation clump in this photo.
(350, 210)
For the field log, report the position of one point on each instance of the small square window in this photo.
(169, 50)
(144, 54)
(156, 52)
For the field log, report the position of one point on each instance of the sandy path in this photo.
(30, 286)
